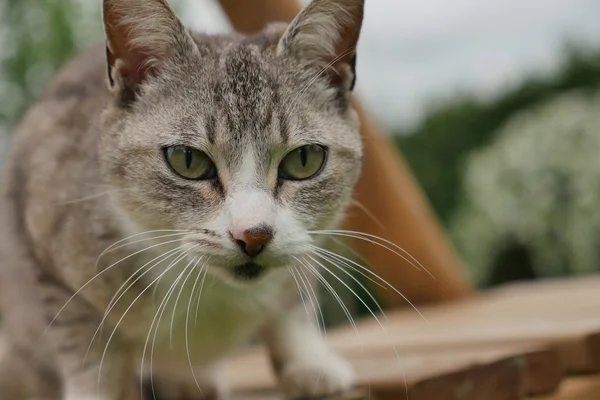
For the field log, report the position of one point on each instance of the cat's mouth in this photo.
(248, 271)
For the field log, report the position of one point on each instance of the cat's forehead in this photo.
(241, 94)
(245, 91)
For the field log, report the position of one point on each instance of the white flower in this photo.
(538, 183)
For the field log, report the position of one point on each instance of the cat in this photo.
(161, 202)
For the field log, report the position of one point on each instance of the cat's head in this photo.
(248, 143)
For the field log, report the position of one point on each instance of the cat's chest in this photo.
(206, 317)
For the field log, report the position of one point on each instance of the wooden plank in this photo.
(543, 372)
(382, 367)
(577, 343)
(576, 388)
(521, 315)
(501, 380)
(274, 395)
(498, 381)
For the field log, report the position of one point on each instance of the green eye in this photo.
(190, 163)
(303, 163)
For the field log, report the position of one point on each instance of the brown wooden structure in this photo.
(534, 341)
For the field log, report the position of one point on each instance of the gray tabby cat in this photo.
(154, 220)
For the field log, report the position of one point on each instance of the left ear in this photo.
(141, 35)
(325, 35)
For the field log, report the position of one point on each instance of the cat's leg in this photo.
(304, 363)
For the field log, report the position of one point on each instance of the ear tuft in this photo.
(325, 34)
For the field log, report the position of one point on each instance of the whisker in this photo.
(165, 255)
(187, 320)
(177, 299)
(340, 242)
(114, 248)
(108, 249)
(200, 294)
(332, 254)
(384, 330)
(131, 306)
(370, 214)
(347, 260)
(332, 291)
(109, 309)
(371, 239)
(315, 300)
(158, 310)
(171, 290)
(114, 300)
(96, 276)
(300, 292)
(351, 277)
(352, 290)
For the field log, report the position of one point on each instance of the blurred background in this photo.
(495, 105)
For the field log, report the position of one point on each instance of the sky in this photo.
(413, 51)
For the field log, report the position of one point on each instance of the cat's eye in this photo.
(303, 163)
(190, 163)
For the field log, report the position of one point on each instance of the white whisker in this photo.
(300, 292)
(371, 239)
(111, 304)
(332, 291)
(315, 300)
(200, 294)
(96, 276)
(350, 289)
(187, 320)
(164, 307)
(131, 306)
(177, 299)
(384, 330)
(351, 277)
(347, 260)
(109, 248)
(329, 254)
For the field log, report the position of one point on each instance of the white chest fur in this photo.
(203, 318)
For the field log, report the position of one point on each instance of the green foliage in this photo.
(39, 37)
(437, 148)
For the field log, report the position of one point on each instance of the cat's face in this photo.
(241, 142)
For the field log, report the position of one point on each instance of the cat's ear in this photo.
(141, 35)
(325, 34)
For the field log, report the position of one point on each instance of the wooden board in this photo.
(540, 369)
(522, 337)
(519, 315)
(576, 388)
(500, 380)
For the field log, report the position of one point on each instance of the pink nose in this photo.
(253, 241)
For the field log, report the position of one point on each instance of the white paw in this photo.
(317, 378)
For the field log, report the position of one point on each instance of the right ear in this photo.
(140, 36)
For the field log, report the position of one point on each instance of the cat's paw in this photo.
(317, 378)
